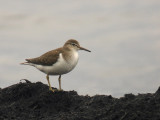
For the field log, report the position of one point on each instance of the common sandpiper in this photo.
(59, 61)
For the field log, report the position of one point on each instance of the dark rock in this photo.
(33, 101)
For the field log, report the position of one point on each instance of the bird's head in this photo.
(74, 44)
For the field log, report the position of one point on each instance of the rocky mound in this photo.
(33, 101)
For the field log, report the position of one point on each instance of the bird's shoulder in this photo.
(52, 53)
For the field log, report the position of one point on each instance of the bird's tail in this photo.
(25, 63)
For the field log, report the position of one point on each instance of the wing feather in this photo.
(49, 58)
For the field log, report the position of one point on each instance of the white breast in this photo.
(62, 66)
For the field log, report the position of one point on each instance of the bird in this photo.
(58, 61)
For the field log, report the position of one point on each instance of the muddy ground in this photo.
(33, 101)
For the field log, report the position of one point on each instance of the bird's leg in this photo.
(50, 88)
(59, 79)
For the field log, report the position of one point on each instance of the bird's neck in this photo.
(70, 54)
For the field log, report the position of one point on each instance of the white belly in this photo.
(61, 66)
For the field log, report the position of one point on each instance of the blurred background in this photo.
(123, 35)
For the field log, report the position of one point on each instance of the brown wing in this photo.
(48, 58)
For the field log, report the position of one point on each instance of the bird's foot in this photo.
(60, 89)
(51, 89)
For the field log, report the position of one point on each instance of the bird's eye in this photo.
(73, 44)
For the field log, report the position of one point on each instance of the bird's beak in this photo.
(81, 48)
